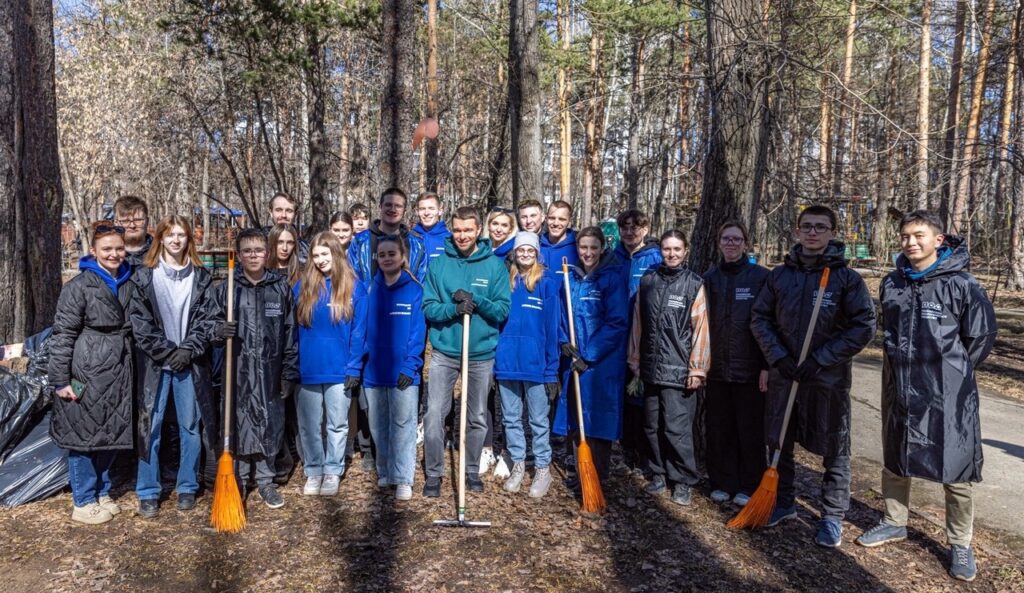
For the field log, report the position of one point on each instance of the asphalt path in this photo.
(997, 497)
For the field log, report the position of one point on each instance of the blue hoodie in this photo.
(433, 239)
(505, 248)
(329, 351)
(551, 255)
(528, 343)
(395, 331)
(648, 257)
(124, 272)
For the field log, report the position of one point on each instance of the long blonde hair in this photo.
(343, 281)
(530, 278)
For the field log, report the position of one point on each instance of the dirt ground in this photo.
(362, 540)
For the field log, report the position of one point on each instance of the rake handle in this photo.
(572, 340)
(803, 355)
(462, 416)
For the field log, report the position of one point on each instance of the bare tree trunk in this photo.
(959, 214)
(825, 137)
(317, 89)
(30, 189)
(956, 68)
(204, 200)
(524, 101)
(844, 99)
(431, 144)
(564, 116)
(636, 106)
(923, 103)
(593, 181)
(738, 108)
(399, 21)
(1006, 118)
(883, 140)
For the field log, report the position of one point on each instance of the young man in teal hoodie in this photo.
(467, 279)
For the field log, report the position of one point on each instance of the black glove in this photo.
(404, 381)
(228, 330)
(351, 383)
(179, 360)
(569, 351)
(554, 390)
(579, 365)
(462, 295)
(286, 388)
(787, 368)
(465, 307)
(807, 369)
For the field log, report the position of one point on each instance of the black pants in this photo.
(670, 414)
(835, 481)
(290, 454)
(736, 457)
(364, 441)
(600, 449)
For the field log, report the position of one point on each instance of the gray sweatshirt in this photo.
(173, 290)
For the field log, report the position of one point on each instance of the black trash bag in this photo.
(35, 469)
(36, 348)
(20, 400)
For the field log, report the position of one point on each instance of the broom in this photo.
(590, 484)
(759, 509)
(227, 513)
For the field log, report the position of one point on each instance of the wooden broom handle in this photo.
(572, 340)
(229, 359)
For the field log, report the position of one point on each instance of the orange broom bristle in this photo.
(759, 509)
(228, 512)
(590, 484)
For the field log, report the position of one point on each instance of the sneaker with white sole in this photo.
(501, 469)
(419, 433)
(271, 497)
(91, 514)
(403, 492)
(541, 482)
(515, 480)
(741, 499)
(312, 487)
(486, 460)
(720, 496)
(108, 503)
(329, 486)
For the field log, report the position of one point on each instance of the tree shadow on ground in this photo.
(1009, 448)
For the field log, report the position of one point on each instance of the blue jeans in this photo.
(392, 414)
(147, 485)
(89, 472)
(512, 395)
(317, 406)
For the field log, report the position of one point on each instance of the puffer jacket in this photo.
(265, 353)
(938, 328)
(846, 324)
(730, 288)
(152, 348)
(664, 300)
(91, 343)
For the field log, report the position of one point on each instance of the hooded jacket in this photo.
(529, 340)
(600, 306)
(551, 254)
(265, 352)
(938, 329)
(362, 252)
(91, 344)
(329, 351)
(665, 299)
(502, 251)
(395, 331)
(134, 259)
(731, 289)
(481, 274)
(846, 324)
(152, 349)
(639, 262)
(433, 239)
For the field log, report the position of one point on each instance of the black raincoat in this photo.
(265, 352)
(152, 349)
(846, 324)
(938, 329)
(730, 289)
(135, 258)
(91, 343)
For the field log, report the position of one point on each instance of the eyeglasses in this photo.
(131, 221)
(252, 252)
(817, 228)
(731, 240)
(106, 228)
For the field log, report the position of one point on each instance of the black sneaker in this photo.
(681, 495)
(474, 483)
(657, 485)
(149, 508)
(432, 487)
(961, 563)
(186, 501)
(271, 497)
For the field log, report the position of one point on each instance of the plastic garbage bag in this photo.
(19, 399)
(35, 469)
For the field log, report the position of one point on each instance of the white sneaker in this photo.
(91, 514)
(403, 492)
(108, 503)
(486, 459)
(312, 487)
(501, 470)
(419, 433)
(329, 487)
(720, 496)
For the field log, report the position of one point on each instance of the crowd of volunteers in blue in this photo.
(331, 335)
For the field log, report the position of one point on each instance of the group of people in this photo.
(331, 337)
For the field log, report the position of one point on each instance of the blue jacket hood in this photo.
(504, 249)
(551, 255)
(438, 230)
(89, 264)
(395, 331)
